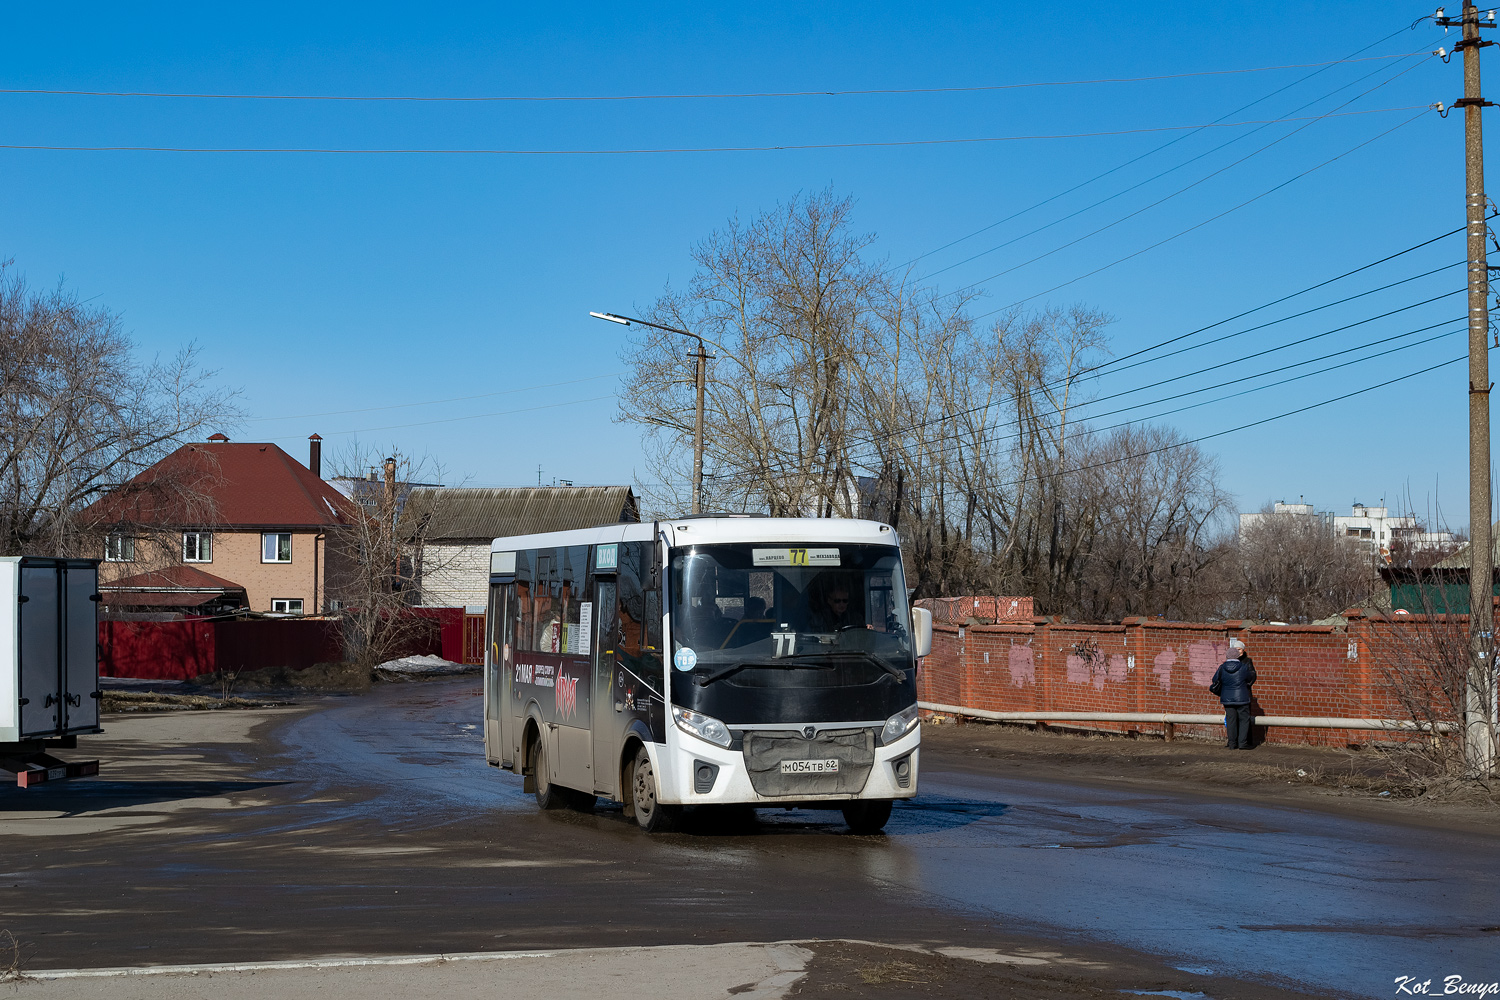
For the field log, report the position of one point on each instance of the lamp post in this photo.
(702, 359)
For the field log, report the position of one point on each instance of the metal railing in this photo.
(1174, 719)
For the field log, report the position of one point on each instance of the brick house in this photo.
(219, 525)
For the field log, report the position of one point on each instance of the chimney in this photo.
(390, 482)
(315, 455)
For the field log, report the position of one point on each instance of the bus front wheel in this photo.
(652, 816)
(869, 816)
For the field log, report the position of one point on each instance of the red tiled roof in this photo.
(246, 485)
(188, 578)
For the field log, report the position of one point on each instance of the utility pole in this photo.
(698, 431)
(1479, 687)
(701, 357)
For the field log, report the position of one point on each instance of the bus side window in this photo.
(574, 574)
(524, 616)
(545, 601)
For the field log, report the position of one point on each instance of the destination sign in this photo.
(795, 557)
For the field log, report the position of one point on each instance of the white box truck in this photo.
(49, 664)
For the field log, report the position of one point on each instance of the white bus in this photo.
(706, 661)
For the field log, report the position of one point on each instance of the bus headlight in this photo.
(899, 725)
(705, 727)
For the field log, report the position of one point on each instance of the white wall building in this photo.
(1299, 510)
(1374, 527)
(455, 562)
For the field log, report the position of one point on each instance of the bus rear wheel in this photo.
(869, 816)
(548, 795)
(652, 816)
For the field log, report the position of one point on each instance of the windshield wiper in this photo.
(704, 680)
(895, 672)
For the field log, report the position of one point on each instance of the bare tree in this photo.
(80, 414)
(787, 303)
(842, 388)
(374, 563)
(1295, 568)
(1423, 662)
(1159, 504)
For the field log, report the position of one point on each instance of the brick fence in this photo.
(1034, 664)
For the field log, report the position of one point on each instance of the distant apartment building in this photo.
(1374, 527)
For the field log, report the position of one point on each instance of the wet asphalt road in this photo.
(371, 824)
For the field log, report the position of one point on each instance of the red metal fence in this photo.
(473, 639)
(182, 650)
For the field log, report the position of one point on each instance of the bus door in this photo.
(608, 708)
(499, 712)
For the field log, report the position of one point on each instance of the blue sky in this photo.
(326, 282)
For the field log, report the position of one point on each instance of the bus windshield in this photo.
(788, 617)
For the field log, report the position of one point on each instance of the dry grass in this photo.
(152, 701)
(1396, 781)
(10, 964)
(318, 677)
(889, 972)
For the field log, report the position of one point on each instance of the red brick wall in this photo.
(1147, 665)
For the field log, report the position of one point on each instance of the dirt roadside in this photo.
(1358, 783)
(881, 972)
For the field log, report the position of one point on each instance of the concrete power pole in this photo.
(698, 431)
(1479, 689)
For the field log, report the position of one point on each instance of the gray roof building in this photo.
(474, 514)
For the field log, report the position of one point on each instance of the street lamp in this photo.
(702, 359)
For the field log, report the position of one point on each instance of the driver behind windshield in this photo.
(832, 606)
(706, 623)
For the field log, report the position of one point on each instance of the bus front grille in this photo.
(854, 749)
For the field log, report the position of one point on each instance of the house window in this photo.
(119, 548)
(197, 546)
(276, 547)
(286, 606)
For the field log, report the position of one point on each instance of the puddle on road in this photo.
(1179, 994)
(923, 815)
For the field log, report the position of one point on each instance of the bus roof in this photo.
(709, 530)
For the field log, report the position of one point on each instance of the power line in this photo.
(1285, 298)
(1218, 434)
(535, 99)
(1205, 222)
(874, 144)
(1298, 315)
(1169, 197)
(1151, 152)
(476, 416)
(1104, 367)
(434, 402)
(955, 440)
(1232, 430)
(1277, 371)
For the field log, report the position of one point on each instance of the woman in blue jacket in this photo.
(1232, 684)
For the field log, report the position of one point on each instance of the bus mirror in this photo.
(921, 629)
